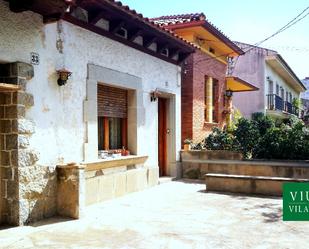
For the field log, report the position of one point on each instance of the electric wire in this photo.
(291, 23)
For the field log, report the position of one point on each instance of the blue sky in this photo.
(246, 21)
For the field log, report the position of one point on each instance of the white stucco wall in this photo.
(58, 111)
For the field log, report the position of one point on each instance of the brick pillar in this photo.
(209, 100)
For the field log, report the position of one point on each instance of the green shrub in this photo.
(220, 140)
(246, 135)
(271, 144)
(262, 138)
(262, 122)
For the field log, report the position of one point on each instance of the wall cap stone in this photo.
(70, 166)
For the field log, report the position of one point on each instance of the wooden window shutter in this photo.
(112, 102)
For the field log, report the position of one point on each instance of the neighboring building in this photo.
(204, 82)
(305, 100)
(278, 85)
(125, 91)
(305, 94)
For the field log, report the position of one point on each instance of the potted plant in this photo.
(187, 144)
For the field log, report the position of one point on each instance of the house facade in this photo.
(279, 87)
(204, 102)
(82, 86)
(305, 100)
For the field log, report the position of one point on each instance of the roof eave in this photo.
(210, 28)
(282, 63)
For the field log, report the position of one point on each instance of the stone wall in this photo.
(25, 186)
(195, 162)
(110, 183)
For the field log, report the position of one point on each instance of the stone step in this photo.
(263, 185)
(242, 167)
(166, 179)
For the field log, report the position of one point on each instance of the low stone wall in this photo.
(192, 161)
(210, 155)
(82, 185)
(106, 184)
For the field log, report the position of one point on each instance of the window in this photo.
(211, 95)
(282, 93)
(111, 133)
(277, 89)
(270, 87)
(291, 98)
(215, 101)
(112, 118)
(286, 96)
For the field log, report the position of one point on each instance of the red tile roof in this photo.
(148, 21)
(176, 19)
(194, 18)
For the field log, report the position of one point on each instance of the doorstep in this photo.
(166, 179)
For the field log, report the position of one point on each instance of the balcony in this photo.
(276, 103)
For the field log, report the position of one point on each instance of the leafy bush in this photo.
(220, 140)
(271, 145)
(246, 134)
(262, 138)
(262, 122)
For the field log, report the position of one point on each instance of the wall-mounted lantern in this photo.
(64, 75)
(154, 96)
(229, 93)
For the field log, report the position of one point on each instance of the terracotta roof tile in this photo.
(175, 19)
(165, 21)
(150, 22)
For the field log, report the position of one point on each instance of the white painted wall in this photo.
(277, 79)
(58, 111)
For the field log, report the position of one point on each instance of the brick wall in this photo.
(196, 68)
(187, 99)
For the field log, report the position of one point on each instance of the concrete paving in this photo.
(176, 215)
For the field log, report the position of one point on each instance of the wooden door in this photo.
(0, 177)
(162, 132)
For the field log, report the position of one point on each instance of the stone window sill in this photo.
(114, 162)
(211, 124)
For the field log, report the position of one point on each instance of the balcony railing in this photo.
(288, 107)
(275, 102)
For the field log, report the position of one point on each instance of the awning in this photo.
(4, 87)
(236, 84)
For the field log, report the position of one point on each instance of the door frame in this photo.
(162, 136)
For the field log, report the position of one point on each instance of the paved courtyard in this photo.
(173, 215)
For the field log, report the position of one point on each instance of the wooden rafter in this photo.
(133, 34)
(162, 47)
(173, 52)
(149, 41)
(115, 26)
(118, 17)
(94, 17)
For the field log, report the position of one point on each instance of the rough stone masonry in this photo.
(28, 190)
